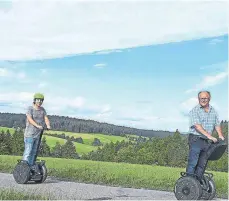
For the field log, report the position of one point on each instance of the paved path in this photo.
(64, 190)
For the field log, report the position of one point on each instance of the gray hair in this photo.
(206, 92)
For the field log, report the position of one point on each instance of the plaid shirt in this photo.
(208, 120)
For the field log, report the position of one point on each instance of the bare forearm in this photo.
(219, 131)
(47, 122)
(32, 121)
(200, 129)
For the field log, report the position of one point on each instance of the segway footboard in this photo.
(40, 178)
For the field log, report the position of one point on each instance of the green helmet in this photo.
(38, 96)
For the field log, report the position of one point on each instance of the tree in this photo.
(79, 140)
(126, 154)
(96, 142)
(44, 148)
(4, 144)
(69, 150)
(57, 150)
(18, 142)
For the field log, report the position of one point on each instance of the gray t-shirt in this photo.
(39, 117)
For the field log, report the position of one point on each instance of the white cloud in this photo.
(48, 29)
(145, 118)
(62, 103)
(43, 70)
(9, 74)
(16, 97)
(42, 85)
(21, 75)
(213, 80)
(101, 65)
(149, 122)
(77, 102)
(108, 51)
(223, 66)
(209, 81)
(56, 105)
(187, 105)
(28, 97)
(216, 106)
(3, 72)
(215, 41)
(11, 64)
(106, 108)
(105, 111)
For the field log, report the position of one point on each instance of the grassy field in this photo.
(10, 194)
(116, 174)
(80, 148)
(88, 138)
(11, 130)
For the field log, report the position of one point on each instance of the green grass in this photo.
(117, 174)
(88, 138)
(110, 138)
(10, 194)
(51, 141)
(11, 130)
(80, 148)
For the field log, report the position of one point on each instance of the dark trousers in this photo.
(198, 155)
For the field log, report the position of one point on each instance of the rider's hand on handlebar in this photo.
(213, 139)
(40, 127)
(221, 137)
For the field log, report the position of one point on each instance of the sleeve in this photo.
(29, 111)
(217, 122)
(194, 118)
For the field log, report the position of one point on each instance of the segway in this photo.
(188, 187)
(23, 172)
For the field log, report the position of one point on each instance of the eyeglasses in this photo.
(39, 100)
(204, 99)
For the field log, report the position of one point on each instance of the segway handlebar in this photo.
(217, 149)
(219, 141)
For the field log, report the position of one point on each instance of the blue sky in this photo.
(148, 85)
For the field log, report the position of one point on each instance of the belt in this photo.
(199, 136)
(202, 137)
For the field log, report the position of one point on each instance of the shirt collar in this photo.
(210, 107)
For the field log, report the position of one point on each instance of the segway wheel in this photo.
(44, 174)
(210, 193)
(21, 173)
(187, 188)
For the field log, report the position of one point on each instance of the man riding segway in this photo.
(203, 120)
(35, 123)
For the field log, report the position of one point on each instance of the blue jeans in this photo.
(31, 147)
(198, 156)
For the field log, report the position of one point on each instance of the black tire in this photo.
(211, 192)
(44, 173)
(21, 173)
(187, 188)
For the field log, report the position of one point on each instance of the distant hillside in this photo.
(63, 123)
